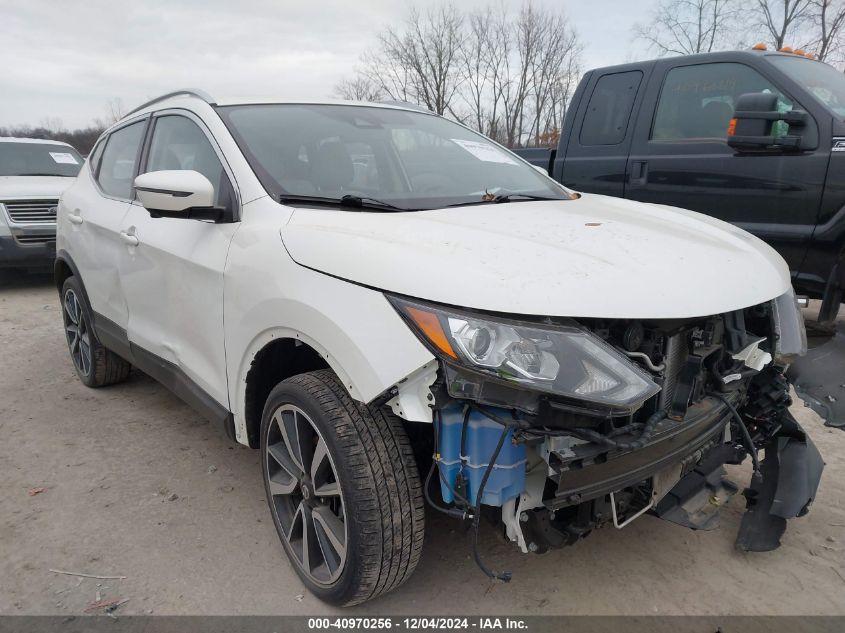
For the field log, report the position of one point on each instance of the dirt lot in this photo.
(137, 485)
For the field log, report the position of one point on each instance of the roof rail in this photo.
(193, 92)
(407, 104)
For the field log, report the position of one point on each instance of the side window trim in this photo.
(94, 157)
(187, 114)
(106, 137)
(697, 141)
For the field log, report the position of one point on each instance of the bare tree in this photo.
(828, 19)
(508, 74)
(358, 88)
(115, 110)
(82, 139)
(553, 70)
(781, 20)
(420, 62)
(480, 56)
(53, 125)
(686, 27)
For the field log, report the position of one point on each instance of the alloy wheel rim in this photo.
(77, 333)
(305, 495)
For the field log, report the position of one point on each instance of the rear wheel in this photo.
(343, 489)
(95, 365)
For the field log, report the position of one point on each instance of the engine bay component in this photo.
(467, 439)
(557, 466)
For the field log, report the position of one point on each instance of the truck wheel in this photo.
(832, 297)
(343, 489)
(95, 365)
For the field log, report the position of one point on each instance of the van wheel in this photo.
(95, 365)
(343, 489)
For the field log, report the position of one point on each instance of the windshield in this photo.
(38, 159)
(410, 160)
(824, 82)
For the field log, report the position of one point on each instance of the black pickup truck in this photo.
(756, 138)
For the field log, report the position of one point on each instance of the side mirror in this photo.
(758, 125)
(177, 193)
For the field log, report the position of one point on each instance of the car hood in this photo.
(12, 187)
(592, 257)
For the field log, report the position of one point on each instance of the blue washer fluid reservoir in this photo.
(507, 479)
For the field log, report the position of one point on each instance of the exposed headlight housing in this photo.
(565, 361)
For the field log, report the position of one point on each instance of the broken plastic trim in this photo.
(819, 379)
(791, 473)
(631, 518)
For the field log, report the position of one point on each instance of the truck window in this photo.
(609, 109)
(824, 82)
(697, 102)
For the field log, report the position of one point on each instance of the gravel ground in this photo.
(135, 484)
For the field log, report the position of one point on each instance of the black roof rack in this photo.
(193, 92)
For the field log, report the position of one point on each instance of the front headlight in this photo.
(562, 360)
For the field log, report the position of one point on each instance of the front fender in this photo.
(269, 296)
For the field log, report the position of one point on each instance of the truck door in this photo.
(679, 156)
(597, 151)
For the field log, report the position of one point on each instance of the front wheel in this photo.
(343, 489)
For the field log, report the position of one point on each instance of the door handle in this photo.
(129, 240)
(74, 218)
(639, 173)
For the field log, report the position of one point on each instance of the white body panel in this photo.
(174, 190)
(593, 257)
(269, 296)
(173, 284)
(14, 187)
(88, 225)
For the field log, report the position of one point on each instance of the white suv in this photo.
(33, 174)
(353, 288)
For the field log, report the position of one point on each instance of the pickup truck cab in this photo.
(33, 174)
(657, 131)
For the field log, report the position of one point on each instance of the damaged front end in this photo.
(570, 424)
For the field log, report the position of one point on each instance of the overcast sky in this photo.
(66, 60)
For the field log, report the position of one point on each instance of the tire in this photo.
(832, 297)
(95, 365)
(373, 491)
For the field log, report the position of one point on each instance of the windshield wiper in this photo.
(356, 202)
(59, 175)
(372, 203)
(510, 197)
(503, 197)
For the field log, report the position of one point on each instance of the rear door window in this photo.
(120, 159)
(609, 109)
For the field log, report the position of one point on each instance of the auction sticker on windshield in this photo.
(64, 157)
(484, 151)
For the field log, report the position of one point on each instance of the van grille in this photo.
(32, 211)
